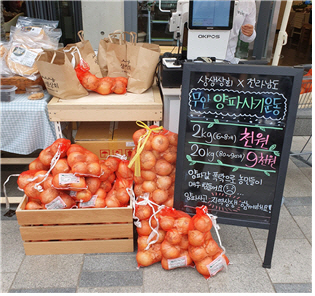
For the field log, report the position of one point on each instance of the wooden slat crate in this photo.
(75, 231)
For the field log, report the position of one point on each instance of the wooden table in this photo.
(147, 106)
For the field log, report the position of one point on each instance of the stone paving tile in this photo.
(287, 228)
(110, 263)
(245, 274)
(48, 271)
(295, 176)
(298, 201)
(45, 290)
(300, 210)
(12, 250)
(293, 288)
(180, 280)
(6, 281)
(291, 260)
(236, 239)
(111, 278)
(305, 224)
(129, 289)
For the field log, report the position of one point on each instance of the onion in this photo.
(40, 175)
(166, 222)
(161, 234)
(138, 180)
(112, 163)
(170, 202)
(33, 205)
(203, 223)
(185, 253)
(123, 171)
(23, 178)
(30, 190)
(156, 252)
(112, 178)
(106, 186)
(202, 268)
(61, 166)
(159, 196)
(105, 172)
(163, 168)
(45, 156)
(80, 168)
(164, 263)
(164, 182)
(48, 195)
(89, 81)
(48, 182)
(38, 165)
(137, 134)
(170, 154)
(148, 175)
(61, 143)
(75, 148)
(182, 224)
(143, 212)
(67, 199)
(173, 138)
(148, 186)
(93, 183)
(144, 258)
(75, 157)
(145, 229)
(101, 193)
(173, 237)
(83, 195)
(122, 196)
(195, 238)
(197, 253)
(100, 202)
(160, 143)
(137, 189)
(169, 251)
(184, 243)
(212, 247)
(112, 202)
(227, 261)
(147, 160)
(142, 242)
(94, 168)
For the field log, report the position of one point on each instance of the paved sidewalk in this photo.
(291, 269)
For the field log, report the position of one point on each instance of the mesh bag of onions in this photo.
(67, 176)
(208, 256)
(150, 236)
(153, 162)
(174, 247)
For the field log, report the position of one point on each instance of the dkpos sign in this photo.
(206, 36)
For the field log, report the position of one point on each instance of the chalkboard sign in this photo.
(235, 131)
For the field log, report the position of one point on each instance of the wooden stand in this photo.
(75, 231)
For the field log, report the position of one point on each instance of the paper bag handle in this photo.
(81, 35)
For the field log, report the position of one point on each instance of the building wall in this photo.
(100, 18)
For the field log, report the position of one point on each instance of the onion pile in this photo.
(78, 179)
(157, 163)
(202, 248)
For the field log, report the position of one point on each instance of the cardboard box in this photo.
(95, 136)
(75, 231)
(106, 139)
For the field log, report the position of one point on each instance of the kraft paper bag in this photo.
(143, 59)
(116, 53)
(101, 56)
(59, 76)
(87, 54)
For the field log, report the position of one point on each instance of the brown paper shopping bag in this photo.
(87, 53)
(59, 76)
(143, 59)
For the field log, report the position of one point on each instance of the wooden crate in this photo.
(75, 231)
